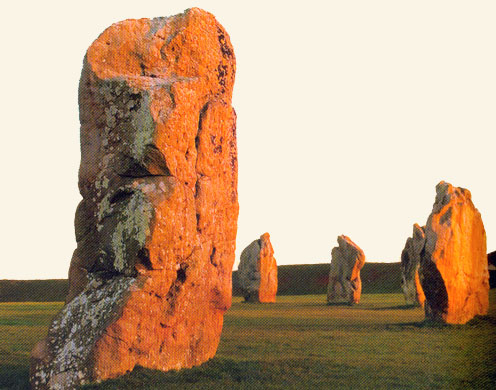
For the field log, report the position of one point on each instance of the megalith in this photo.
(150, 278)
(345, 285)
(453, 265)
(257, 271)
(410, 262)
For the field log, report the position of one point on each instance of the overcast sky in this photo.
(349, 114)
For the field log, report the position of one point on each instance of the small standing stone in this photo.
(257, 271)
(410, 262)
(344, 276)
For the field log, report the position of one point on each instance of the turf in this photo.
(300, 343)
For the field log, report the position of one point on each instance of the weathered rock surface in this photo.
(453, 266)
(257, 271)
(150, 279)
(345, 284)
(410, 262)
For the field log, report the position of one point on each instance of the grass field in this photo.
(299, 343)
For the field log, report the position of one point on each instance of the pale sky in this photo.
(349, 114)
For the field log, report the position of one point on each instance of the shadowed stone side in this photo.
(150, 278)
(453, 266)
(257, 271)
(410, 262)
(491, 265)
(345, 284)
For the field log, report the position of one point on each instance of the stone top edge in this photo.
(446, 191)
(160, 51)
(345, 240)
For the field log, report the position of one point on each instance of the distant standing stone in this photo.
(344, 276)
(454, 267)
(257, 271)
(410, 262)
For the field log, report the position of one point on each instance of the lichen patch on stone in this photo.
(76, 329)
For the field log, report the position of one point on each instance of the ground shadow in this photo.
(418, 324)
(396, 307)
(225, 371)
(341, 304)
(477, 321)
(14, 377)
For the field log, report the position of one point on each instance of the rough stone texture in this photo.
(410, 262)
(257, 271)
(345, 284)
(453, 265)
(150, 279)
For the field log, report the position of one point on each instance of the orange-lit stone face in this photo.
(257, 271)
(420, 296)
(345, 284)
(268, 271)
(453, 268)
(156, 228)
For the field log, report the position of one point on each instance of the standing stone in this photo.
(453, 266)
(344, 276)
(410, 262)
(257, 271)
(150, 279)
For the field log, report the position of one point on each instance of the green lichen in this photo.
(128, 119)
(76, 329)
(124, 213)
(157, 24)
(104, 210)
(102, 182)
(143, 128)
(131, 231)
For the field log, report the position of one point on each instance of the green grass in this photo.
(300, 343)
(21, 326)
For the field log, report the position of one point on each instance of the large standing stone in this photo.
(410, 262)
(453, 266)
(150, 279)
(257, 271)
(345, 284)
